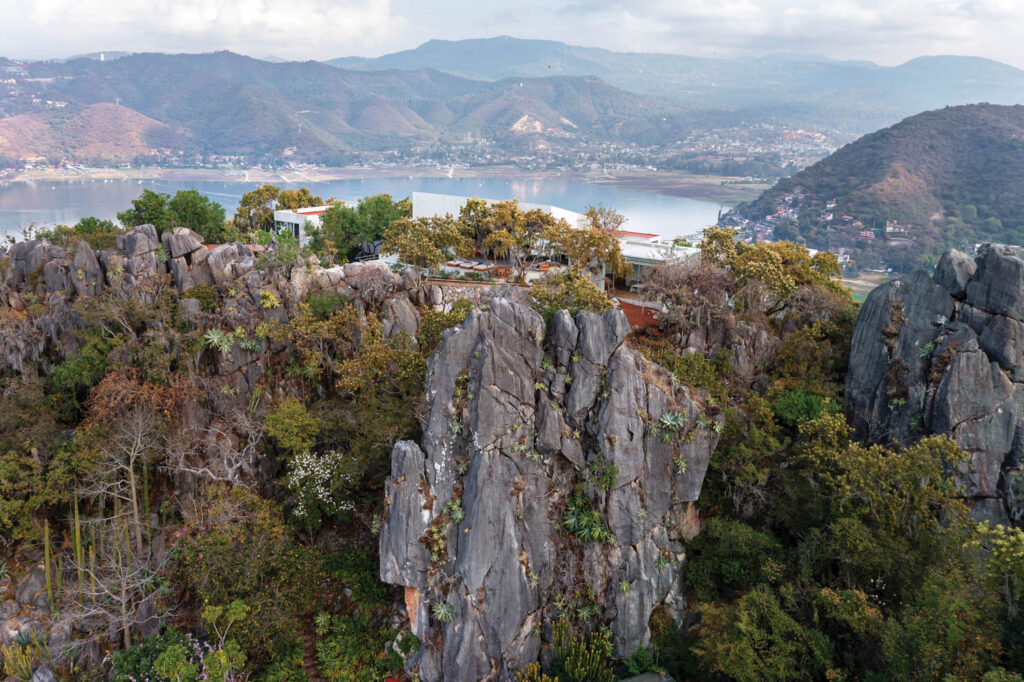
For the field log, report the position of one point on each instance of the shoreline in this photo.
(706, 188)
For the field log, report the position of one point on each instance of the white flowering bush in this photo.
(322, 483)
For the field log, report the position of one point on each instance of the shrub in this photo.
(433, 324)
(754, 639)
(139, 662)
(579, 660)
(728, 557)
(323, 304)
(206, 294)
(358, 569)
(793, 407)
(240, 548)
(292, 426)
(568, 290)
(355, 648)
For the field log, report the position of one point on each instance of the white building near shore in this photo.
(298, 221)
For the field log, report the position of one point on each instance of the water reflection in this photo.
(65, 202)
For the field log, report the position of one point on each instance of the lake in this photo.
(67, 201)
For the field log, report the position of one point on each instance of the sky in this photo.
(883, 31)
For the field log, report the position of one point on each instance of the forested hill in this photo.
(225, 103)
(795, 89)
(950, 177)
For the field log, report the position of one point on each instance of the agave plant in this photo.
(215, 338)
(443, 611)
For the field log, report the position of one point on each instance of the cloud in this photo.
(299, 29)
(887, 31)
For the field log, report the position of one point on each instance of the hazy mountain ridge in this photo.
(856, 96)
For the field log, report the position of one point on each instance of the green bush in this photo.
(793, 407)
(139, 662)
(755, 639)
(358, 569)
(433, 324)
(206, 294)
(355, 648)
(292, 426)
(240, 548)
(323, 304)
(728, 557)
(73, 378)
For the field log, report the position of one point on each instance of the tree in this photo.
(119, 581)
(198, 213)
(426, 242)
(587, 248)
(151, 207)
(475, 218)
(342, 230)
(602, 217)
(255, 210)
(292, 199)
(133, 447)
(755, 639)
(516, 234)
(569, 290)
(100, 234)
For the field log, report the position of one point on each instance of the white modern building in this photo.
(297, 221)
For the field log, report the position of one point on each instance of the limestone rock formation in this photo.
(519, 421)
(944, 353)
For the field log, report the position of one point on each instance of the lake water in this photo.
(65, 202)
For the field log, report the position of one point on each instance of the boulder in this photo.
(954, 271)
(30, 589)
(86, 273)
(138, 241)
(181, 241)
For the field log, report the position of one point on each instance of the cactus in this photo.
(92, 570)
(46, 563)
(79, 554)
(578, 661)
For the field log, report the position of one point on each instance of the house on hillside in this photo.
(298, 221)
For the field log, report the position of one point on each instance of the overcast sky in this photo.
(885, 31)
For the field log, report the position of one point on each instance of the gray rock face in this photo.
(86, 274)
(181, 241)
(943, 354)
(517, 424)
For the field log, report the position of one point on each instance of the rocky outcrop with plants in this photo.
(556, 475)
(942, 353)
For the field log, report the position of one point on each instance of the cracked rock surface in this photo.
(519, 417)
(944, 353)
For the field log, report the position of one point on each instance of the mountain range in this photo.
(229, 104)
(521, 95)
(793, 88)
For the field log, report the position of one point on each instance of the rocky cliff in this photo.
(557, 473)
(942, 353)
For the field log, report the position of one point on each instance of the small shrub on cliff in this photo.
(434, 323)
(206, 294)
(568, 290)
(728, 557)
(291, 425)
